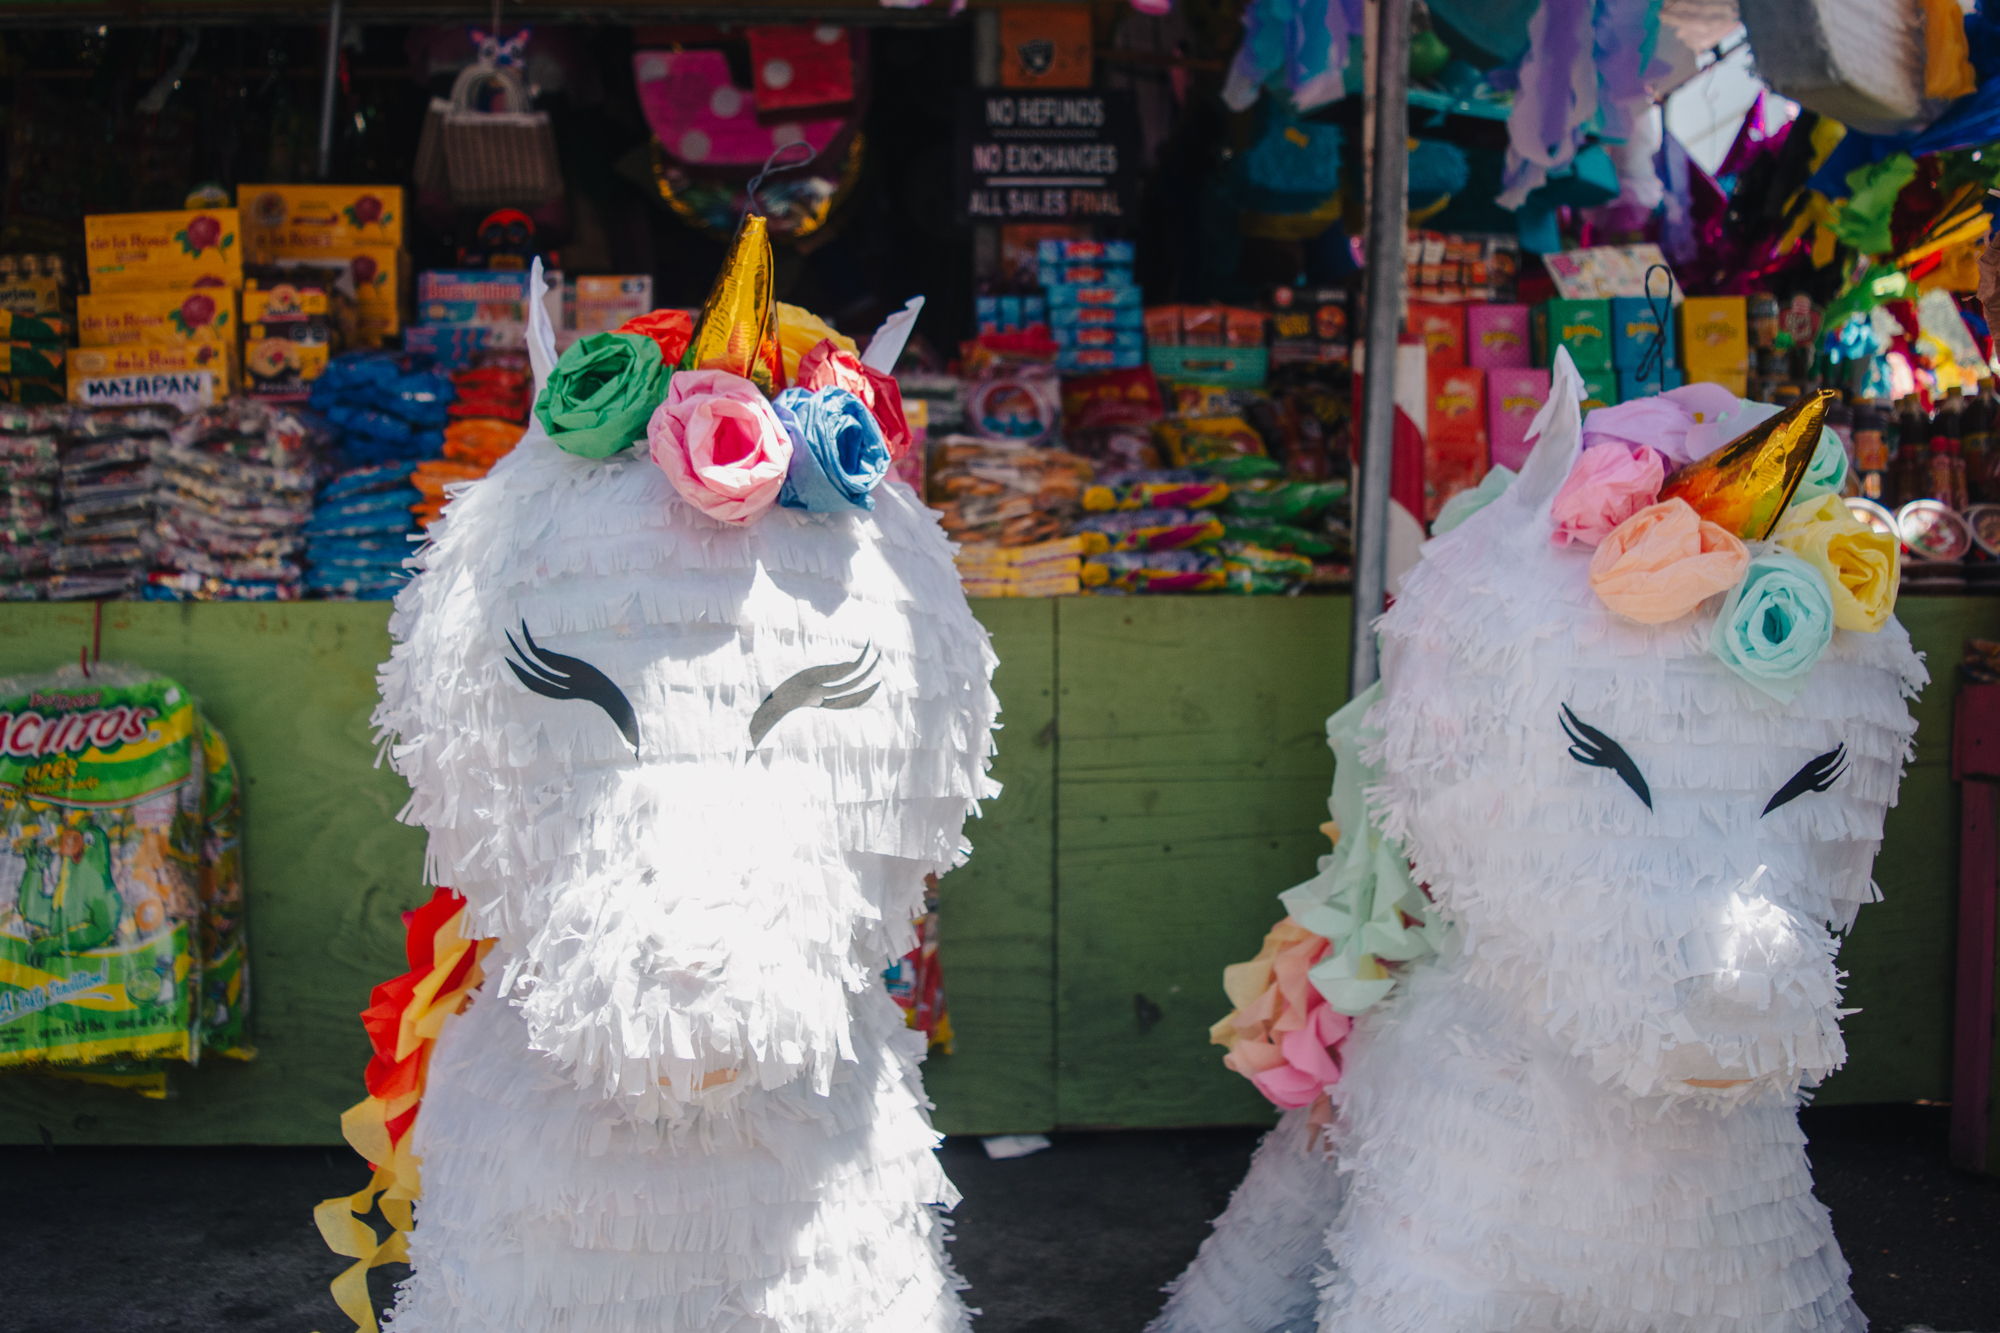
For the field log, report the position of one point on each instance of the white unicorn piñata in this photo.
(690, 774)
(1637, 792)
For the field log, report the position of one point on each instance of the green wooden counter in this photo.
(1166, 773)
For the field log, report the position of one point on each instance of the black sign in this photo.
(1047, 156)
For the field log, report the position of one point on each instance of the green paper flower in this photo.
(602, 393)
(1467, 503)
(1363, 900)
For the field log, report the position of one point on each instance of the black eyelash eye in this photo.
(554, 676)
(1818, 774)
(1591, 746)
(816, 687)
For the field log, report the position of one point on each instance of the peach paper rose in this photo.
(1610, 483)
(720, 444)
(1664, 561)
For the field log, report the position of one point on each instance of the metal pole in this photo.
(986, 74)
(332, 76)
(1387, 209)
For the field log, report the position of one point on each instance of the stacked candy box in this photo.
(30, 514)
(107, 489)
(236, 485)
(360, 534)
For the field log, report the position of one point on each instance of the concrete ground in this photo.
(1076, 1239)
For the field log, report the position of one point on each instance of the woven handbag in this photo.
(489, 159)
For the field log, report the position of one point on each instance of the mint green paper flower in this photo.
(1827, 473)
(1774, 625)
(602, 393)
(1362, 900)
(1467, 503)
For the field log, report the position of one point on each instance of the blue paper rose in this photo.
(1774, 625)
(838, 453)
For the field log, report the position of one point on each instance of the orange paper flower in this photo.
(671, 329)
(1664, 561)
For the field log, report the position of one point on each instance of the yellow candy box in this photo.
(186, 375)
(381, 276)
(201, 315)
(136, 252)
(292, 220)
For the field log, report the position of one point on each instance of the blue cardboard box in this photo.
(1064, 295)
(1630, 386)
(1097, 316)
(1097, 335)
(1634, 327)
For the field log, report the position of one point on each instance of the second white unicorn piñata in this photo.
(1544, 1017)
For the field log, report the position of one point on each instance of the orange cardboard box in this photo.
(1455, 437)
(1715, 338)
(1045, 46)
(1441, 328)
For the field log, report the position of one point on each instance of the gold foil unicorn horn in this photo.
(1744, 486)
(737, 329)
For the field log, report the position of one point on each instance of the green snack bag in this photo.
(1294, 502)
(1235, 471)
(105, 797)
(225, 967)
(1274, 535)
(1254, 559)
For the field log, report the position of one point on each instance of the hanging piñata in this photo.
(688, 724)
(1543, 1019)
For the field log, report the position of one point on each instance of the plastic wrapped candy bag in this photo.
(121, 891)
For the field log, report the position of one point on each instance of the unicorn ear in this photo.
(1558, 433)
(541, 333)
(892, 337)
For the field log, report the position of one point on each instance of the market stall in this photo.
(1141, 413)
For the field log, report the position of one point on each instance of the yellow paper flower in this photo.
(799, 331)
(1858, 563)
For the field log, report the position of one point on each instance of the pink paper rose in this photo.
(1284, 1037)
(720, 444)
(1609, 483)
